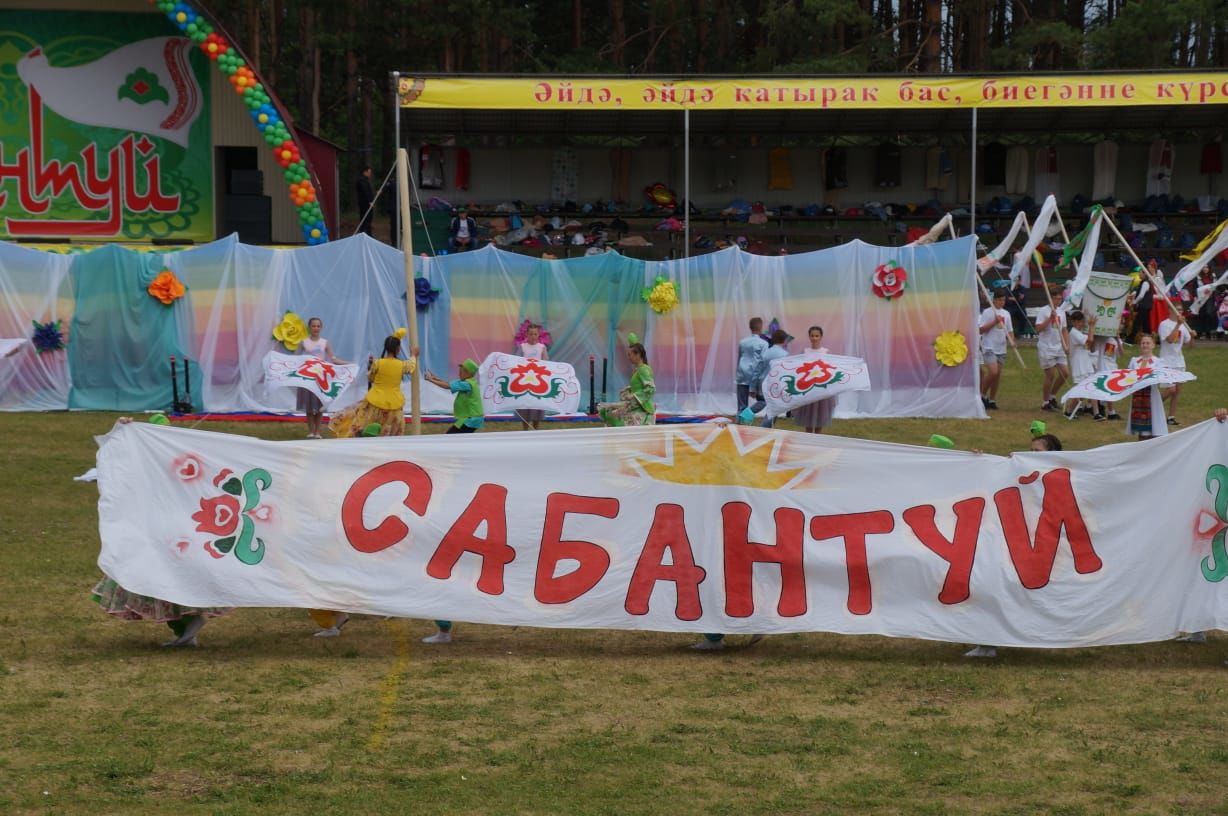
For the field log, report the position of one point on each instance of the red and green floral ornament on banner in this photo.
(890, 280)
(264, 113)
(47, 336)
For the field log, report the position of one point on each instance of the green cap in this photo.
(470, 365)
(159, 419)
(1038, 428)
(940, 441)
(373, 429)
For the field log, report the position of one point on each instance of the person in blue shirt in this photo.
(780, 337)
(750, 353)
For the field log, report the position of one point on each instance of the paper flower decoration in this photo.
(950, 348)
(662, 296)
(290, 331)
(522, 334)
(47, 336)
(424, 295)
(400, 333)
(166, 288)
(890, 280)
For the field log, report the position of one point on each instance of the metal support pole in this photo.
(686, 182)
(972, 186)
(396, 146)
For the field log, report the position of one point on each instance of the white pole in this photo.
(411, 302)
(396, 139)
(972, 187)
(686, 182)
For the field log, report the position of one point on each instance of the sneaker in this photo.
(706, 645)
(1193, 637)
(188, 638)
(985, 401)
(1173, 421)
(438, 637)
(991, 405)
(982, 651)
(191, 643)
(1099, 417)
(1073, 414)
(1113, 416)
(755, 639)
(332, 631)
(1047, 405)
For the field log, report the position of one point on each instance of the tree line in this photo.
(329, 62)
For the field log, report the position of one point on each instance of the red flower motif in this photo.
(530, 378)
(889, 281)
(218, 516)
(318, 370)
(286, 153)
(214, 46)
(814, 372)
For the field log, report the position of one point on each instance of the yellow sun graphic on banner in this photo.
(715, 454)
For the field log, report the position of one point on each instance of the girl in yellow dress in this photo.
(384, 403)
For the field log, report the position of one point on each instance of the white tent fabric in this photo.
(34, 285)
(590, 305)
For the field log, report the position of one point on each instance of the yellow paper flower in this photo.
(290, 331)
(400, 333)
(950, 348)
(166, 287)
(663, 297)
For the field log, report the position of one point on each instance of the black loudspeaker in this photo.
(246, 183)
(251, 216)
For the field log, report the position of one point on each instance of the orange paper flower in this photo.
(166, 287)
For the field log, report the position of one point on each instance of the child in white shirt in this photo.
(995, 326)
(1081, 364)
(1173, 336)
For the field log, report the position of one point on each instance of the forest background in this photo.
(330, 61)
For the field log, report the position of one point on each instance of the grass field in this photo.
(264, 719)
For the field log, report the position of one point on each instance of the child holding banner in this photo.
(995, 326)
(533, 349)
(775, 351)
(1050, 326)
(815, 416)
(1174, 334)
(1146, 405)
(1104, 357)
(384, 403)
(307, 402)
(1082, 340)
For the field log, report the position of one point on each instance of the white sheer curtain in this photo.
(34, 285)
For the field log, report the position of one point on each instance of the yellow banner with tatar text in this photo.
(1038, 91)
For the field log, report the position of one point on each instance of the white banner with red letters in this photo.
(326, 380)
(697, 528)
(509, 382)
(801, 379)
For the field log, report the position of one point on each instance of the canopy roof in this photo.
(816, 110)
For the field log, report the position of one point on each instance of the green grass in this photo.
(96, 718)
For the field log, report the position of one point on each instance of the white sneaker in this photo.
(1193, 637)
(332, 631)
(438, 637)
(706, 645)
(982, 651)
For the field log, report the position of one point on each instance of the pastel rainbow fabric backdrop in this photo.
(590, 306)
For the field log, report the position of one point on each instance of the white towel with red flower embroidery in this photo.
(512, 383)
(792, 382)
(324, 379)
